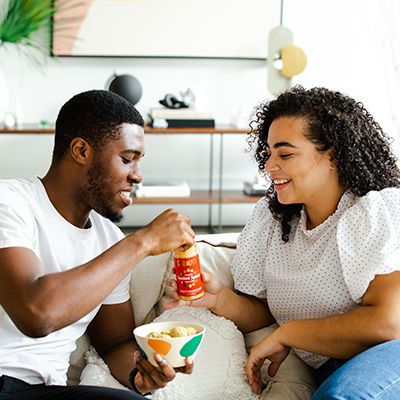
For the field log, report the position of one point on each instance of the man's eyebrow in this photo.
(283, 144)
(135, 152)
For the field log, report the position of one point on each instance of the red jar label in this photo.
(188, 277)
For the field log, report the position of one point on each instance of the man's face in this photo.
(113, 171)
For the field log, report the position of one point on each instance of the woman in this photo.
(321, 253)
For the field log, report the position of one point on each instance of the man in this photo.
(64, 267)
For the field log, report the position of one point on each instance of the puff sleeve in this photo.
(368, 238)
(248, 265)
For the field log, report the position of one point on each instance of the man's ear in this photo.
(80, 150)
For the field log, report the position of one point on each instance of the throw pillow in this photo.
(77, 360)
(219, 365)
(97, 373)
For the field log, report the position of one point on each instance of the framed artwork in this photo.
(164, 28)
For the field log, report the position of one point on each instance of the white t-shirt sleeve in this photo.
(368, 238)
(16, 221)
(121, 293)
(249, 263)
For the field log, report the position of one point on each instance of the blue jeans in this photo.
(372, 374)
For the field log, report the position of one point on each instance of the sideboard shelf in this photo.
(214, 195)
(28, 129)
(201, 197)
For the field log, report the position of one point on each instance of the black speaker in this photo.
(126, 86)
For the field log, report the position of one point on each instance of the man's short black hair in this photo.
(96, 116)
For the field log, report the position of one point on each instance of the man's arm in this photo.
(30, 296)
(111, 333)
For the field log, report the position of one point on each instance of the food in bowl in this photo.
(174, 349)
(179, 331)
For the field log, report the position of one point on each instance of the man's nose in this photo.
(135, 174)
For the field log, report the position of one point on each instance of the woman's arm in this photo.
(340, 336)
(247, 312)
(345, 335)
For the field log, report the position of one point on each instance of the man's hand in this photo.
(151, 378)
(212, 288)
(166, 232)
(269, 348)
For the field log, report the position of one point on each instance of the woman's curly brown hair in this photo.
(361, 149)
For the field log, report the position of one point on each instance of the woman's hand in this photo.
(269, 348)
(150, 378)
(212, 290)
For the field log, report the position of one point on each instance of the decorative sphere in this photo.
(126, 86)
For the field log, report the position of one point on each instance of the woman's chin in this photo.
(285, 200)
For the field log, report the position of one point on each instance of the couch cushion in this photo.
(218, 372)
(146, 286)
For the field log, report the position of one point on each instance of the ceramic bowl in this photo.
(173, 349)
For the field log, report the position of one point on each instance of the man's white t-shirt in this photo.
(28, 219)
(323, 271)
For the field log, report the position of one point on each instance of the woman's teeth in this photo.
(281, 181)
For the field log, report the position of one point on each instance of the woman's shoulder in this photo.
(374, 216)
(259, 223)
(261, 210)
(368, 239)
(377, 201)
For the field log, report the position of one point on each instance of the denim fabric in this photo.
(372, 374)
(327, 369)
(15, 389)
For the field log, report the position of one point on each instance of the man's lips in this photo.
(126, 196)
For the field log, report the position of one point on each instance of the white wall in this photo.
(351, 45)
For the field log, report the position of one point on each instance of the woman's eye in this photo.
(285, 155)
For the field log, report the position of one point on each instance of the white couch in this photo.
(219, 364)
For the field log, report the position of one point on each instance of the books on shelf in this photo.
(179, 113)
(162, 189)
(180, 118)
(185, 123)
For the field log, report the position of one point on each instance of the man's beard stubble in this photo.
(94, 192)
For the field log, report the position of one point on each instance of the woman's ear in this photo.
(80, 150)
(331, 158)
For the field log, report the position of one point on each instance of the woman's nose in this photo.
(271, 165)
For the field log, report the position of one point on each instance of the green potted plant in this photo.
(25, 23)
(25, 27)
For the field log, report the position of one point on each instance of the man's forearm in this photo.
(121, 360)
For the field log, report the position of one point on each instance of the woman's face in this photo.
(299, 172)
